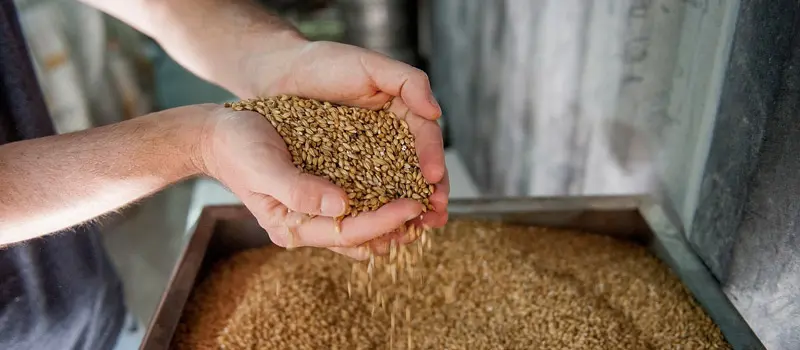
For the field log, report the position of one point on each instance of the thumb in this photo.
(305, 193)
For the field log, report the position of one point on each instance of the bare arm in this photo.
(240, 46)
(52, 183)
(55, 182)
(222, 41)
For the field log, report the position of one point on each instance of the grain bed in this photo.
(222, 231)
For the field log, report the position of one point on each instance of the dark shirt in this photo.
(59, 291)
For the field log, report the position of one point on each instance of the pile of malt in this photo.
(481, 286)
(370, 154)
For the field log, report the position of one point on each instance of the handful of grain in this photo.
(370, 154)
(486, 286)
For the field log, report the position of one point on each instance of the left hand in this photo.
(245, 153)
(355, 76)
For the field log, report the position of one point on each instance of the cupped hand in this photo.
(244, 152)
(355, 76)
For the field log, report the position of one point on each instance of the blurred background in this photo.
(677, 98)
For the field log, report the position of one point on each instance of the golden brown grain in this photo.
(485, 286)
(370, 154)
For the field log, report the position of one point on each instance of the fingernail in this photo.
(435, 103)
(332, 205)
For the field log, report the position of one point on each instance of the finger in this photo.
(304, 192)
(270, 214)
(439, 199)
(435, 219)
(428, 142)
(430, 219)
(400, 79)
(441, 193)
(398, 237)
(269, 170)
(378, 246)
(279, 221)
(357, 253)
(321, 231)
(430, 150)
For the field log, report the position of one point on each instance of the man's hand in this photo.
(358, 77)
(243, 48)
(56, 182)
(243, 151)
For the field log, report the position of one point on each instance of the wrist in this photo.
(262, 68)
(184, 133)
(224, 42)
(200, 137)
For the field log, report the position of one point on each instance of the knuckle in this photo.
(422, 75)
(274, 232)
(275, 236)
(274, 215)
(346, 240)
(303, 199)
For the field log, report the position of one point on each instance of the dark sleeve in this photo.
(23, 112)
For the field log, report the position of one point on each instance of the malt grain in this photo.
(482, 286)
(370, 154)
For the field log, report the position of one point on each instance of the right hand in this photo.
(244, 152)
(354, 76)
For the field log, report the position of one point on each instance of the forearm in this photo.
(215, 39)
(52, 183)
